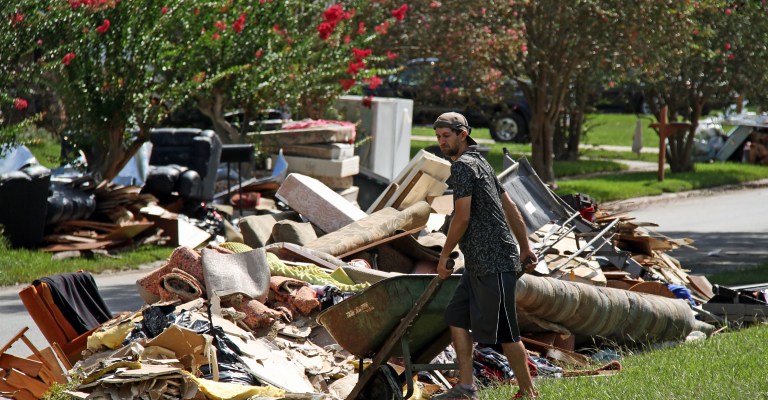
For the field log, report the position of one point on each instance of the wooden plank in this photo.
(18, 380)
(383, 198)
(425, 186)
(382, 241)
(656, 288)
(21, 394)
(25, 365)
(51, 362)
(558, 353)
(701, 284)
(427, 162)
(302, 253)
(14, 339)
(403, 191)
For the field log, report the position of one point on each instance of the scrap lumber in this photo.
(423, 163)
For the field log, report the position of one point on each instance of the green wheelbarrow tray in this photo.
(360, 324)
(400, 316)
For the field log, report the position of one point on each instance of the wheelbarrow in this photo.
(400, 316)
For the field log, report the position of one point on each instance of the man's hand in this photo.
(529, 260)
(445, 267)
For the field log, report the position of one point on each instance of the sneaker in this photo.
(521, 395)
(457, 393)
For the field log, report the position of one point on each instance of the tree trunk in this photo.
(107, 158)
(681, 144)
(214, 109)
(542, 131)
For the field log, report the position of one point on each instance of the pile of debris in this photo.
(317, 284)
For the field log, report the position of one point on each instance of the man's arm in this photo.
(517, 224)
(459, 224)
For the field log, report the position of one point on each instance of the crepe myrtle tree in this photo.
(718, 51)
(447, 31)
(290, 54)
(545, 44)
(119, 67)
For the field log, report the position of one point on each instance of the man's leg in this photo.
(518, 361)
(462, 343)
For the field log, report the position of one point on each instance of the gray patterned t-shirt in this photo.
(487, 244)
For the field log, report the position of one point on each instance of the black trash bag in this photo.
(232, 368)
(155, 320)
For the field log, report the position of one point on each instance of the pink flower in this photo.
(399, 13)
(20, 104)
(524, 48)
(104, 27)
(325, 30)
(728, 11)
(361, 54)
(336, 13)
(391, 55)
(17, 19)
(239, 25)
(383, 28)
(367, 101)
(68, 58)
(347, 39)
(163, 10)
(373, 82)
(347, 84)
(220, 26)
(215, 36)
(361, 28)
(727, 46)
(259, 53)
(731, 56)
(354, 67)
(39, 41)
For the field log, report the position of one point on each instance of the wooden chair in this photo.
(63, 337)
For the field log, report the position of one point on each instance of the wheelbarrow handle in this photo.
(383, 354)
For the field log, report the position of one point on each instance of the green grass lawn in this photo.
(618, 130)
(725, 366)
(22, 266)
(637, 184)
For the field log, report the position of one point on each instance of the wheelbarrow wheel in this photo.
(380, 386)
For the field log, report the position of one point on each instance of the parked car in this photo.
(435, 91)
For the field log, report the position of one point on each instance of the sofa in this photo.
(24, 204)
(184, 162)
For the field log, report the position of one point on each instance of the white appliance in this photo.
(383, 139)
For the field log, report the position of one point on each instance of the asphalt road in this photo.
(117, 289)
(730, 230)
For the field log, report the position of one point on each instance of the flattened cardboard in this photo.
(182, 341)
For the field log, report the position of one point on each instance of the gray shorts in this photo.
(485, 305)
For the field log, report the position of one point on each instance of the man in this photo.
(484, 301)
